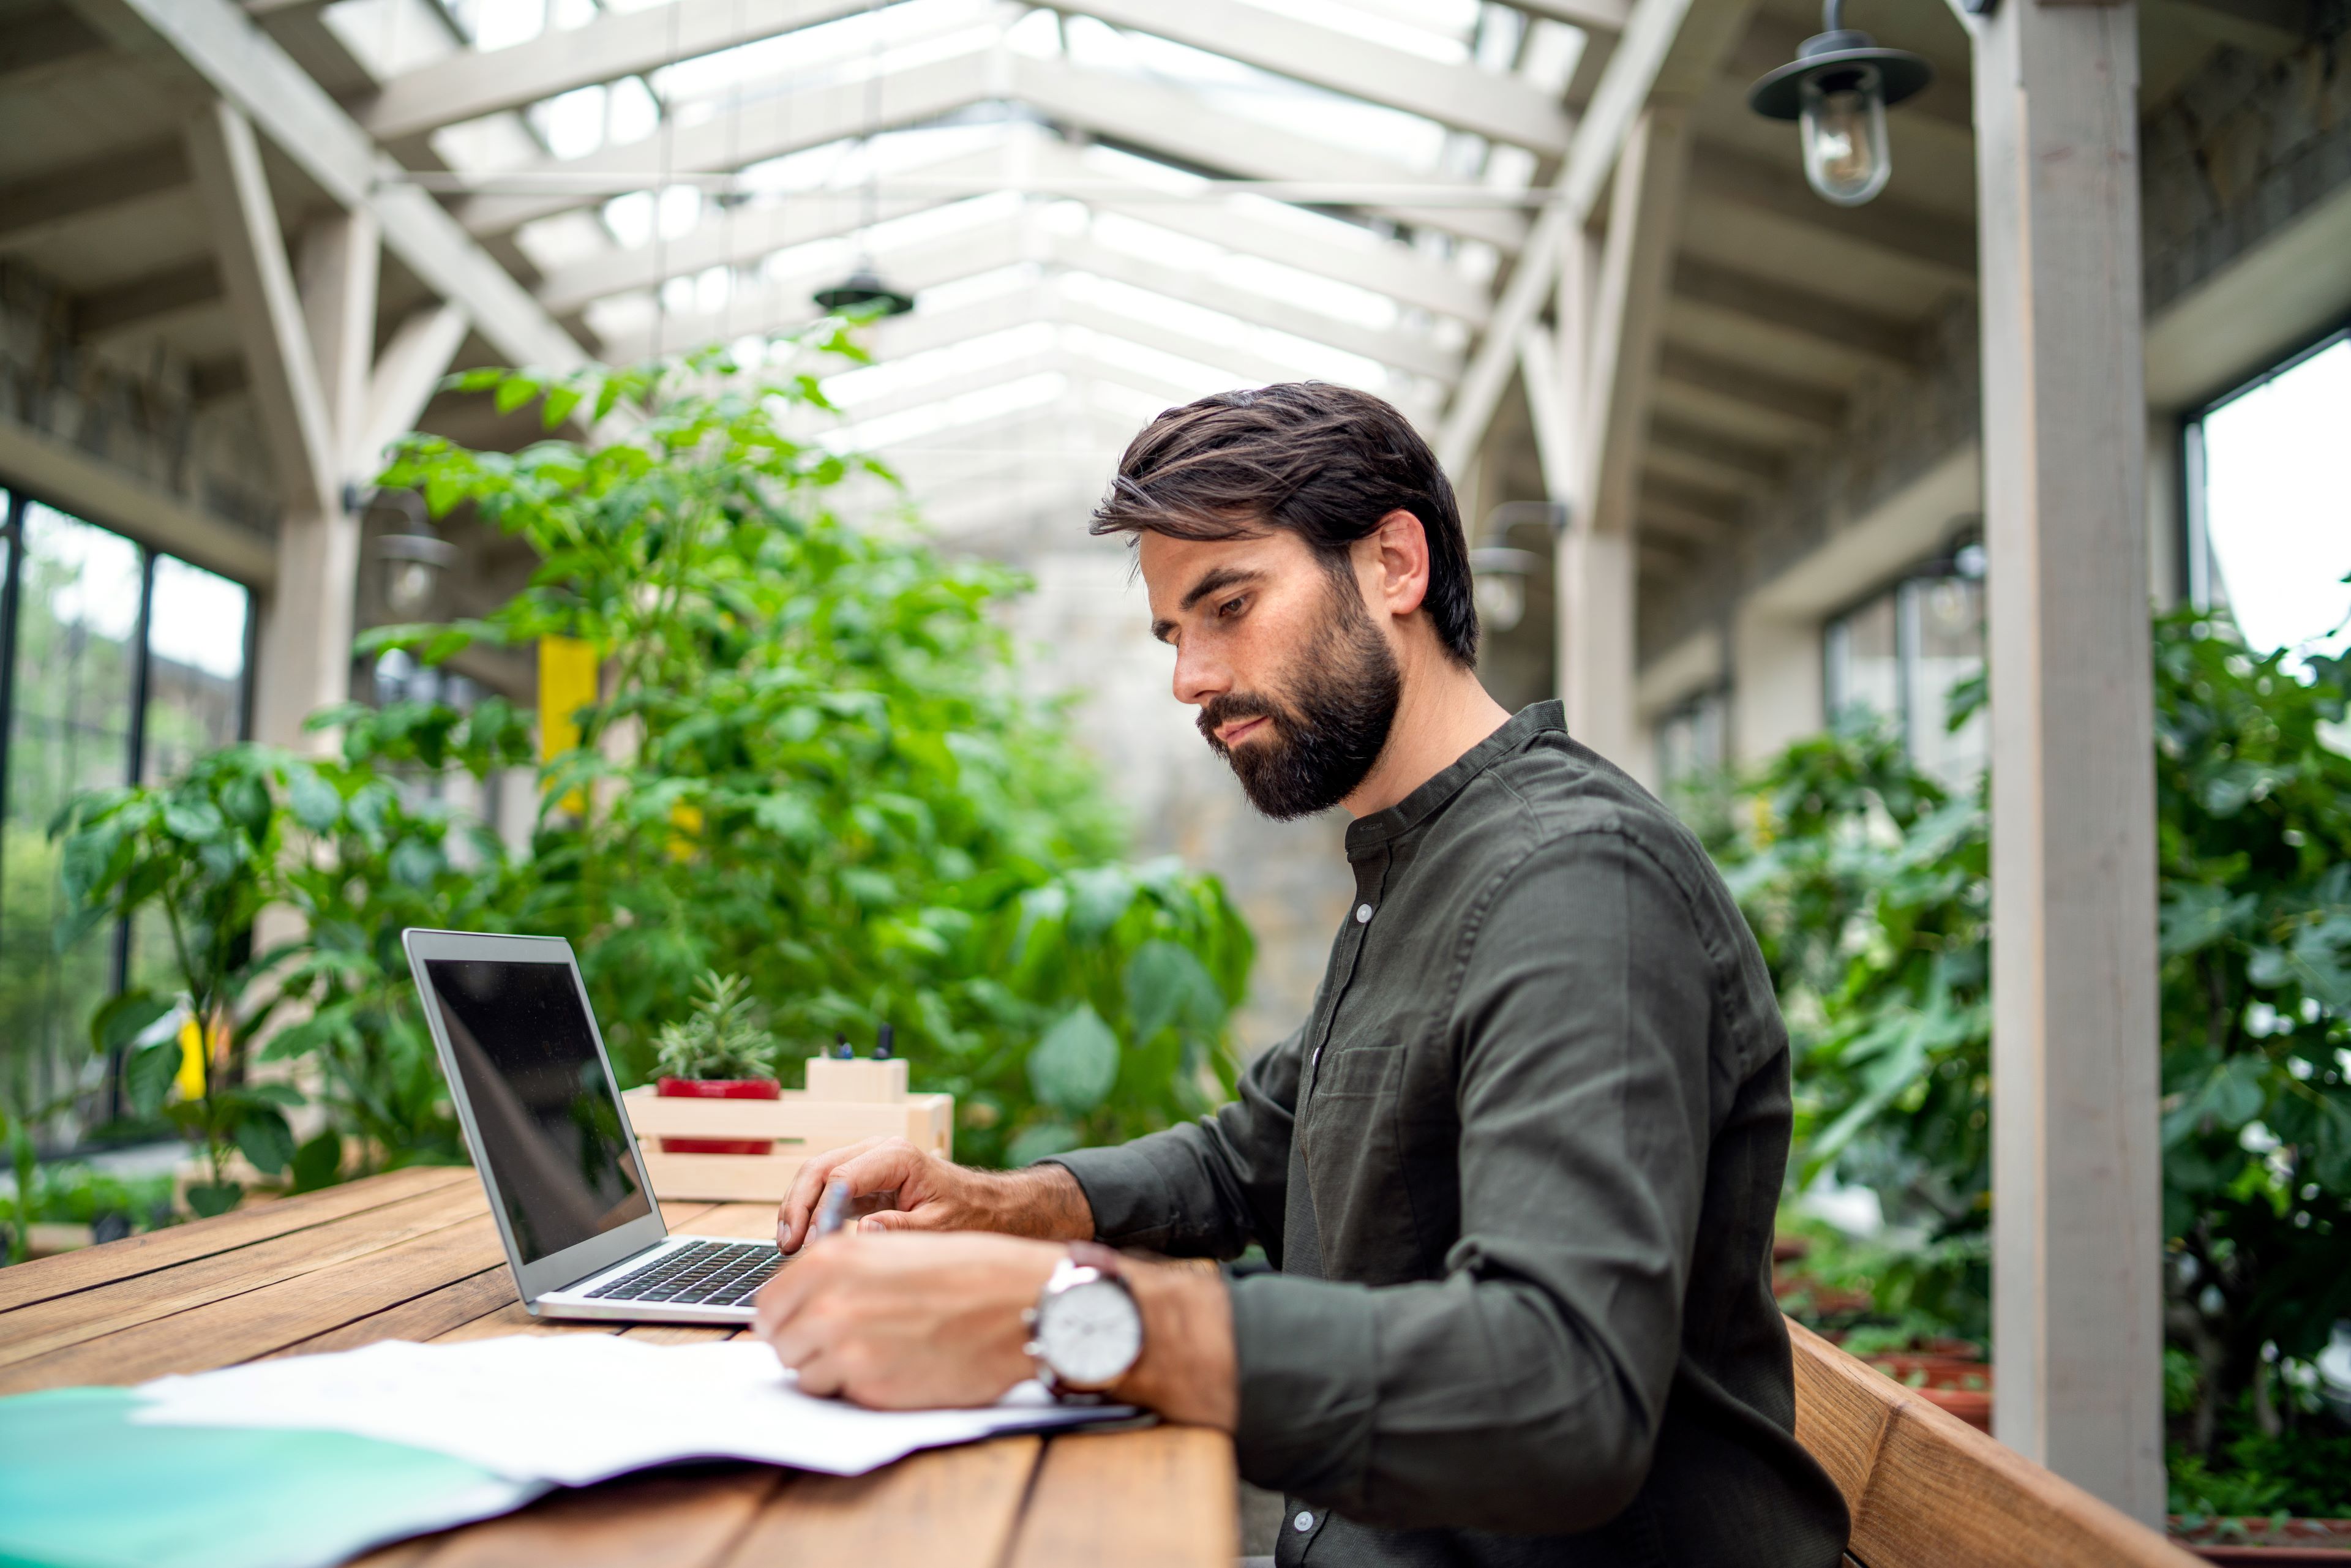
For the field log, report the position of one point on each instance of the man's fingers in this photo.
(904, 1219)
(807, 1187)
(781, 1298)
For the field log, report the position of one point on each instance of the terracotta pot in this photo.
(1960, 1385)
(2257, 1542)
(717, 1089)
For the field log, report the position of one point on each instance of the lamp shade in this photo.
(864, 287)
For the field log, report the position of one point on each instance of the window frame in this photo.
(17, 502)
(2194, 519)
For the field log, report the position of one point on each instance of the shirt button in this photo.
(1362, 915)
(1303, 1522)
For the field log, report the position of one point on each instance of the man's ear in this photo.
(1392, 564)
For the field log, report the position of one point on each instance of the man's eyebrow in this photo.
(1220, 578)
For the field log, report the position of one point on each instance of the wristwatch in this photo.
(1086, 1332)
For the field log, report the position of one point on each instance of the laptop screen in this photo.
(548, 1113)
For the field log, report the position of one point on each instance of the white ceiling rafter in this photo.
(736, 138)
(1461, 97)
(616, 43)
(1033, 160)
(783, 302)
(247, 68)
(1167, 120)
(904, 336)
(1056, 360)
(1665, 41)
(626, 44)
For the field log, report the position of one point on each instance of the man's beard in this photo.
(1319, 745)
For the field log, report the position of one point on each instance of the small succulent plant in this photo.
(721, 1038)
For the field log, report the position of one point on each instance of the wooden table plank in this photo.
(944, 1507)
(255, 1322)
(116, 1261)
(455, 1306)
(414, 1256)
(1165, 1496)
(662, 1520)
(44, 1327)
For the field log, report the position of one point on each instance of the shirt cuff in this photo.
(1308, 1358)
(1128, 1194)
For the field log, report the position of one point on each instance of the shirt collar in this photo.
(1365, 835)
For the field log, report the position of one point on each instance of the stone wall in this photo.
(143, 417)
(2238, 151)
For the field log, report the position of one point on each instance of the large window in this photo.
(116, 662)
(1901, 654)
(2270, 503)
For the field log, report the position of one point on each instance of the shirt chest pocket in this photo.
(1355, 1167)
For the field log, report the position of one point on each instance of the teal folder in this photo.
(82, 1486)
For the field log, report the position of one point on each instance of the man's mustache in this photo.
(1230, 708)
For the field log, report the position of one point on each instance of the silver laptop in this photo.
(551, 1139)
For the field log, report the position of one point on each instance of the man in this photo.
(1517, 1172)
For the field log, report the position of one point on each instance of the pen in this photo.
(833, 1210)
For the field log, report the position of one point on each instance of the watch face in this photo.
(1091, 1334)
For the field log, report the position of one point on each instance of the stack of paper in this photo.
(575, 1408)
(305, 1461)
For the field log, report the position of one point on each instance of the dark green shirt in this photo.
(1517, 1174)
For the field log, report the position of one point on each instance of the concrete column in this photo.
(1598, 584)
(2077, 1233)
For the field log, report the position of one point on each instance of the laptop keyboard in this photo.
(706, 1274)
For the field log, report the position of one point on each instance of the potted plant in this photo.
(718, 1051)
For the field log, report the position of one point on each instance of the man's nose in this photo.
(1200, 678)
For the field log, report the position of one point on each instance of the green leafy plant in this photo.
(1867, 887)
(810, 765)
(378, 851)
(721, 1038)
(75, 1194)
(200, 851)
(1866, 884)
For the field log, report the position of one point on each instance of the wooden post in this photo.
(307, 348)
(1610, 308)
(2077, 1233)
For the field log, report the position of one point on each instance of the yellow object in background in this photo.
(567, 672)
(687, 821)
(191, 1078)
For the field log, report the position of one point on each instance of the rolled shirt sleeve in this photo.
(1210, 1188)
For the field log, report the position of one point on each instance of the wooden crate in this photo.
(844, 1101)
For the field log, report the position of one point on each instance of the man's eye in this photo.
(1230, 608)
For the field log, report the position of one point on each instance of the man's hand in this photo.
(910, 1321)
(1043, 1201)
(903, 1323)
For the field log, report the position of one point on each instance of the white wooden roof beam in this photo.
(1169, 119)
(628, 43)
(617, 44)
(251, 72)
(1034, 159)
(1465, 98)
(1669, 46)
(1604, 16)
(297, 423)
(784, 302)
(1117, 107)
(740, 136)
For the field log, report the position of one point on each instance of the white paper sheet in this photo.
(579, 1407)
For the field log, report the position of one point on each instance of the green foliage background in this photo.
(1867, 886)
(810, 765)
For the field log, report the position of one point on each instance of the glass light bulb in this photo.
(1843, 119)
(408, 586)
(1501, 598)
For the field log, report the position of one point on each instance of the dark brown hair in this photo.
(1325, 461)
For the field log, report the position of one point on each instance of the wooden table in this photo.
(413, 1255)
